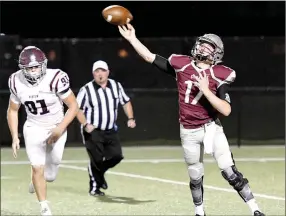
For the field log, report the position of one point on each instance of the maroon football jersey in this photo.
(194, 109)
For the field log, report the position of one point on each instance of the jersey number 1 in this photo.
(31, 105)
(188, 92)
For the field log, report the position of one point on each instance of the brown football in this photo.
(117, 15)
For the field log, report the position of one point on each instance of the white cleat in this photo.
(46, 211)
(31, 188)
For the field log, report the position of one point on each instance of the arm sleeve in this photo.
(227, 77)
(164, 65)
(222, 92)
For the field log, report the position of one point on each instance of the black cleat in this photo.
(258, 213)
(200, 215)
(97, 192)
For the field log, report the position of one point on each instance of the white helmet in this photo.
(215, 41)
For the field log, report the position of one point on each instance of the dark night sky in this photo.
(151, 19)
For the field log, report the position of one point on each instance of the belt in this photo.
(106, 130)
(217, 121)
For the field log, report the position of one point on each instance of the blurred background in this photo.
(74, 35)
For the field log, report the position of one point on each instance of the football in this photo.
(117, 15)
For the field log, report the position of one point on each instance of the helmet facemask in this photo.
(34, 77)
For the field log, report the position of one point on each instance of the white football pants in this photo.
(38, 151)
(192, 141)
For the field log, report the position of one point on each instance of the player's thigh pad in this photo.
(191, 140)
(222, 152)
(55, 151)
(35, 142)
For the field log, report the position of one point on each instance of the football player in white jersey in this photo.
(42, 91)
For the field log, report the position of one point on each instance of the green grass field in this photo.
(149, 181)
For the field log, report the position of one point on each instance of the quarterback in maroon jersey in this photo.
(203, 84)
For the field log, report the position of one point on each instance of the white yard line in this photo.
(173, 160)
(152, 178)
(6, 177)
(169, 147)
(172, 182)
(178, 147)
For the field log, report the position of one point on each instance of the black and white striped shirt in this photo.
(100, 106)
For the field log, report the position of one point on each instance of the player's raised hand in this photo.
(55, 135)
(127, 32)
(15, 146)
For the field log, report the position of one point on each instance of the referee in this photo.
(98, 101)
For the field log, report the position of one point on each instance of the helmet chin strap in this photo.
(32, 82)
(203, 59)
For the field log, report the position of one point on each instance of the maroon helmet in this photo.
(32, 57)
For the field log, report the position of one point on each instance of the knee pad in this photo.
(234, 178)
(196, 171)
(225, 160)
(51, 172)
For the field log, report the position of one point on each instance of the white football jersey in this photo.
(43, 102)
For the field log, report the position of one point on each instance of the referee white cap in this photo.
(99, 64)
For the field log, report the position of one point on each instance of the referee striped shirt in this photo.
(99, 105)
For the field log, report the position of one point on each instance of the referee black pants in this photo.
(104, 150)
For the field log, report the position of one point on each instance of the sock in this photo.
(200, 210)
(44, 203)
(252, 205)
